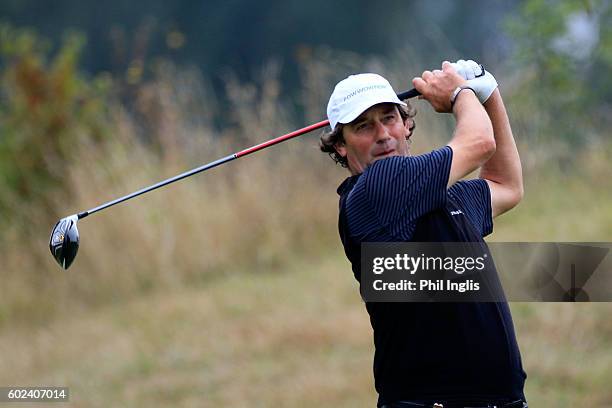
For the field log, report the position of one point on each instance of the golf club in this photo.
(64, 240)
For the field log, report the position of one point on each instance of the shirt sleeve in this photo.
(474, 197)
(393, 193)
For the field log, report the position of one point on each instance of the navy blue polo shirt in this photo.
(457, 351)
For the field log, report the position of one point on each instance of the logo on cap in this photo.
(354, 95)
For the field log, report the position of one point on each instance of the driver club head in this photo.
(64, 241)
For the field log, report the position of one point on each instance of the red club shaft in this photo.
(282, 138)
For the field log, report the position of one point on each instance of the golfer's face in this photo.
(376, 134)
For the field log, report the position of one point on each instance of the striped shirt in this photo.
(392, 194)
(429, 350)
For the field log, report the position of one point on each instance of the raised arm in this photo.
(472, 142)
(503, 170)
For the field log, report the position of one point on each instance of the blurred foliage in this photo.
(46, 108)
(563, 54)
(238, 35)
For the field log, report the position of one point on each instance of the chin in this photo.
(384, 156)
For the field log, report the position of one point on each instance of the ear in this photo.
(409, 125)
(340, 148)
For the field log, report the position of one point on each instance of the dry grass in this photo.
(296, 337)
(250, 214)
(231, 288)
(247, 340)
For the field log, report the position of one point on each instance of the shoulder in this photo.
(398, 190)
(467, 189)
(386, 169)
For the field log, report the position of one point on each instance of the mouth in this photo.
(384, 153)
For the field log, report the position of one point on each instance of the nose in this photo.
(381, 132)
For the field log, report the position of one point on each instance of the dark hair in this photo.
(328, 140)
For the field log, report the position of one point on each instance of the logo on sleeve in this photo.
(456, 212)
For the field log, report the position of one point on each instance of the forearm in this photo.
(472, 142)
(504, 166)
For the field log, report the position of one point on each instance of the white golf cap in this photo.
(354, 95)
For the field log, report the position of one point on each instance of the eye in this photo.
(361, 126)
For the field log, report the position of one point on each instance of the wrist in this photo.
(458, 91)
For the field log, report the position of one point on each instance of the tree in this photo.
(46, 108)
(563, 52)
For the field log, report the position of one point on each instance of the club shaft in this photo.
(208, 166)
(404, 95)
(282, 138)
(160, 184)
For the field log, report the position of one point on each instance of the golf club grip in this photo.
(408, 94)
(413, 92)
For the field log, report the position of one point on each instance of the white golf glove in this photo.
(483, 85)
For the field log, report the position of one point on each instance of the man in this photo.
(430, 354)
